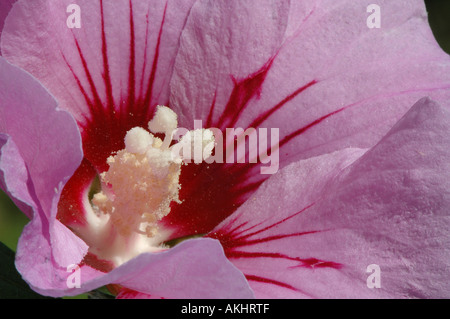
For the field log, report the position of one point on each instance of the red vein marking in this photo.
(299, 30)
(240, 243)
(145, 51)
(80, 86)
(132, 67)
(242, 93)
(106, 74)
(230, 239)
(272, 282)
(270, 112)
(275, 224)
(149, 93)
(291, 136)
(94, 91)
(316, 263)
(231, 231)
(302, 130)
(310, 263)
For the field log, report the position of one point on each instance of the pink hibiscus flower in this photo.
(362, 155)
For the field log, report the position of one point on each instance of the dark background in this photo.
(12, 220)
(439, 17)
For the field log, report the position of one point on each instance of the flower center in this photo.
(143, 181)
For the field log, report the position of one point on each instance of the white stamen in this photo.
(138, 140)
(165, 121)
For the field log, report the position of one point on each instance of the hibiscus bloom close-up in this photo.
(172, 149)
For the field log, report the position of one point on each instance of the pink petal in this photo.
(5, 7)
(264, 236)
(308, 77)
(228, 47)
(124, 49)
(34, 258)
(14, 176)
(313, 229)
(324, 79)
(206, 273)
(48, 138)
(50, 148)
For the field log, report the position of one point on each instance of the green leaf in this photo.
(12, 285)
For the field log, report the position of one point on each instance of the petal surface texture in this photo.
(313, 229)
(42, 151)
(5, 7)
(312, 69)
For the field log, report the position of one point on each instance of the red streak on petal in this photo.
(272, 282)
(242, 238)
(97, 101)
(149, 94)
(306, 263)
(80, 86)
(257, 122)
(244, 90)
(302, 130)
(145, 51)
(106, 74)
(315, 263)
(239, 243)
(230, 239)
(239, 98)
(243, 170)
(132, 67)
(236, 228)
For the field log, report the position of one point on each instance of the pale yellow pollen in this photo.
(143, 179)
(141, 192)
